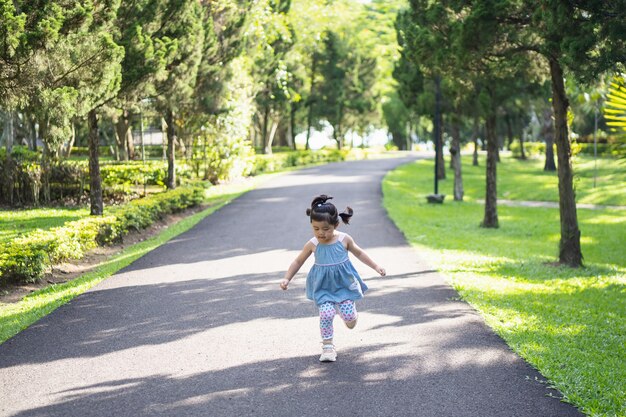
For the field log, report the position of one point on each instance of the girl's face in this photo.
(323, 231)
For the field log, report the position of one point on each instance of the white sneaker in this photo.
(329, 354)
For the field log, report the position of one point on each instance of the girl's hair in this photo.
(322, 211)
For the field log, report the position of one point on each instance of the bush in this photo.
(532, 149)
(278, 161)
(27, 258)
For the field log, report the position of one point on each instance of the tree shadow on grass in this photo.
(538, 271)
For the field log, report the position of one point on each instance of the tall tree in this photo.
(148, 51)
(62, 62)
(183, 25)
(424, 33)
(347, 86)
(583, 38)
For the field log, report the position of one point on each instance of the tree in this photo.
(584, 38)
(346, 89)
(410, 87)
(424, 33)
(149, 50)
(72, 66)
(175, 88)
(309, 20)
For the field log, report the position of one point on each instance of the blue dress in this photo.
(333, 277)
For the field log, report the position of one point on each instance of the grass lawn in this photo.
(568, 323)
(538, 185)
(16, 222)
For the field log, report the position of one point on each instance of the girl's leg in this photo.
(327, 315)
(348, 313)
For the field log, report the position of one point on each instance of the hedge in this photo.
(532, 149)
(278, 161)
(27, 258)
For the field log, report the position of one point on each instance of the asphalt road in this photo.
(199, 327)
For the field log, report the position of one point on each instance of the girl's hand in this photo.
(381, 271)
(284, 284)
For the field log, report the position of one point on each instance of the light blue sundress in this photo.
(333, 277)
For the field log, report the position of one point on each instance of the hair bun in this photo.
(320, 199)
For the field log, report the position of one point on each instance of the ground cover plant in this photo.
(568, 323)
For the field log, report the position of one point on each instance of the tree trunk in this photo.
(309, 119)
(549, 165)
(68, 148)
(44, 125)
(9, 131)
(163, 138)
(491, 208)
(441, 168)
(95, 190)
(264, 131)
(521, 145)
(33, 132)
(8, 166)
(291, 140)
(509, 131)
(547, 131)
(124, 136)
(171, 150)
(455, 153)
(475, 140)
(569, 248)
(120, 136)
(130, 143)
(271, 136)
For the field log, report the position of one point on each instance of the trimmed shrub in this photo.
(278, 161)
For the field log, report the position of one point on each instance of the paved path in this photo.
(553, 204)
(198, 327)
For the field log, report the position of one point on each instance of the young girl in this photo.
(332, 282)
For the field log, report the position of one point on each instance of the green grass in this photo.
(16, 222)
(539, 185)
(15, 317)
(568, 323)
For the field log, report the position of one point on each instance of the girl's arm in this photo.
(297, 264)
(362, 256)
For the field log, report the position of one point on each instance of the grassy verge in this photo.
(568, 323)
(17, 316)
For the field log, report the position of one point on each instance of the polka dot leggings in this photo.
(346, 309)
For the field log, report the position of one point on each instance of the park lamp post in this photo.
(437, 198)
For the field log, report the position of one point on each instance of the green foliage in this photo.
(615, 106)
(69, 179)
(531, 149)
(565, 321)
(280, 161)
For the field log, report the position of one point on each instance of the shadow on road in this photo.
(110, 320)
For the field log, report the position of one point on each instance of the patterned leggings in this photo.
(347, 311)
